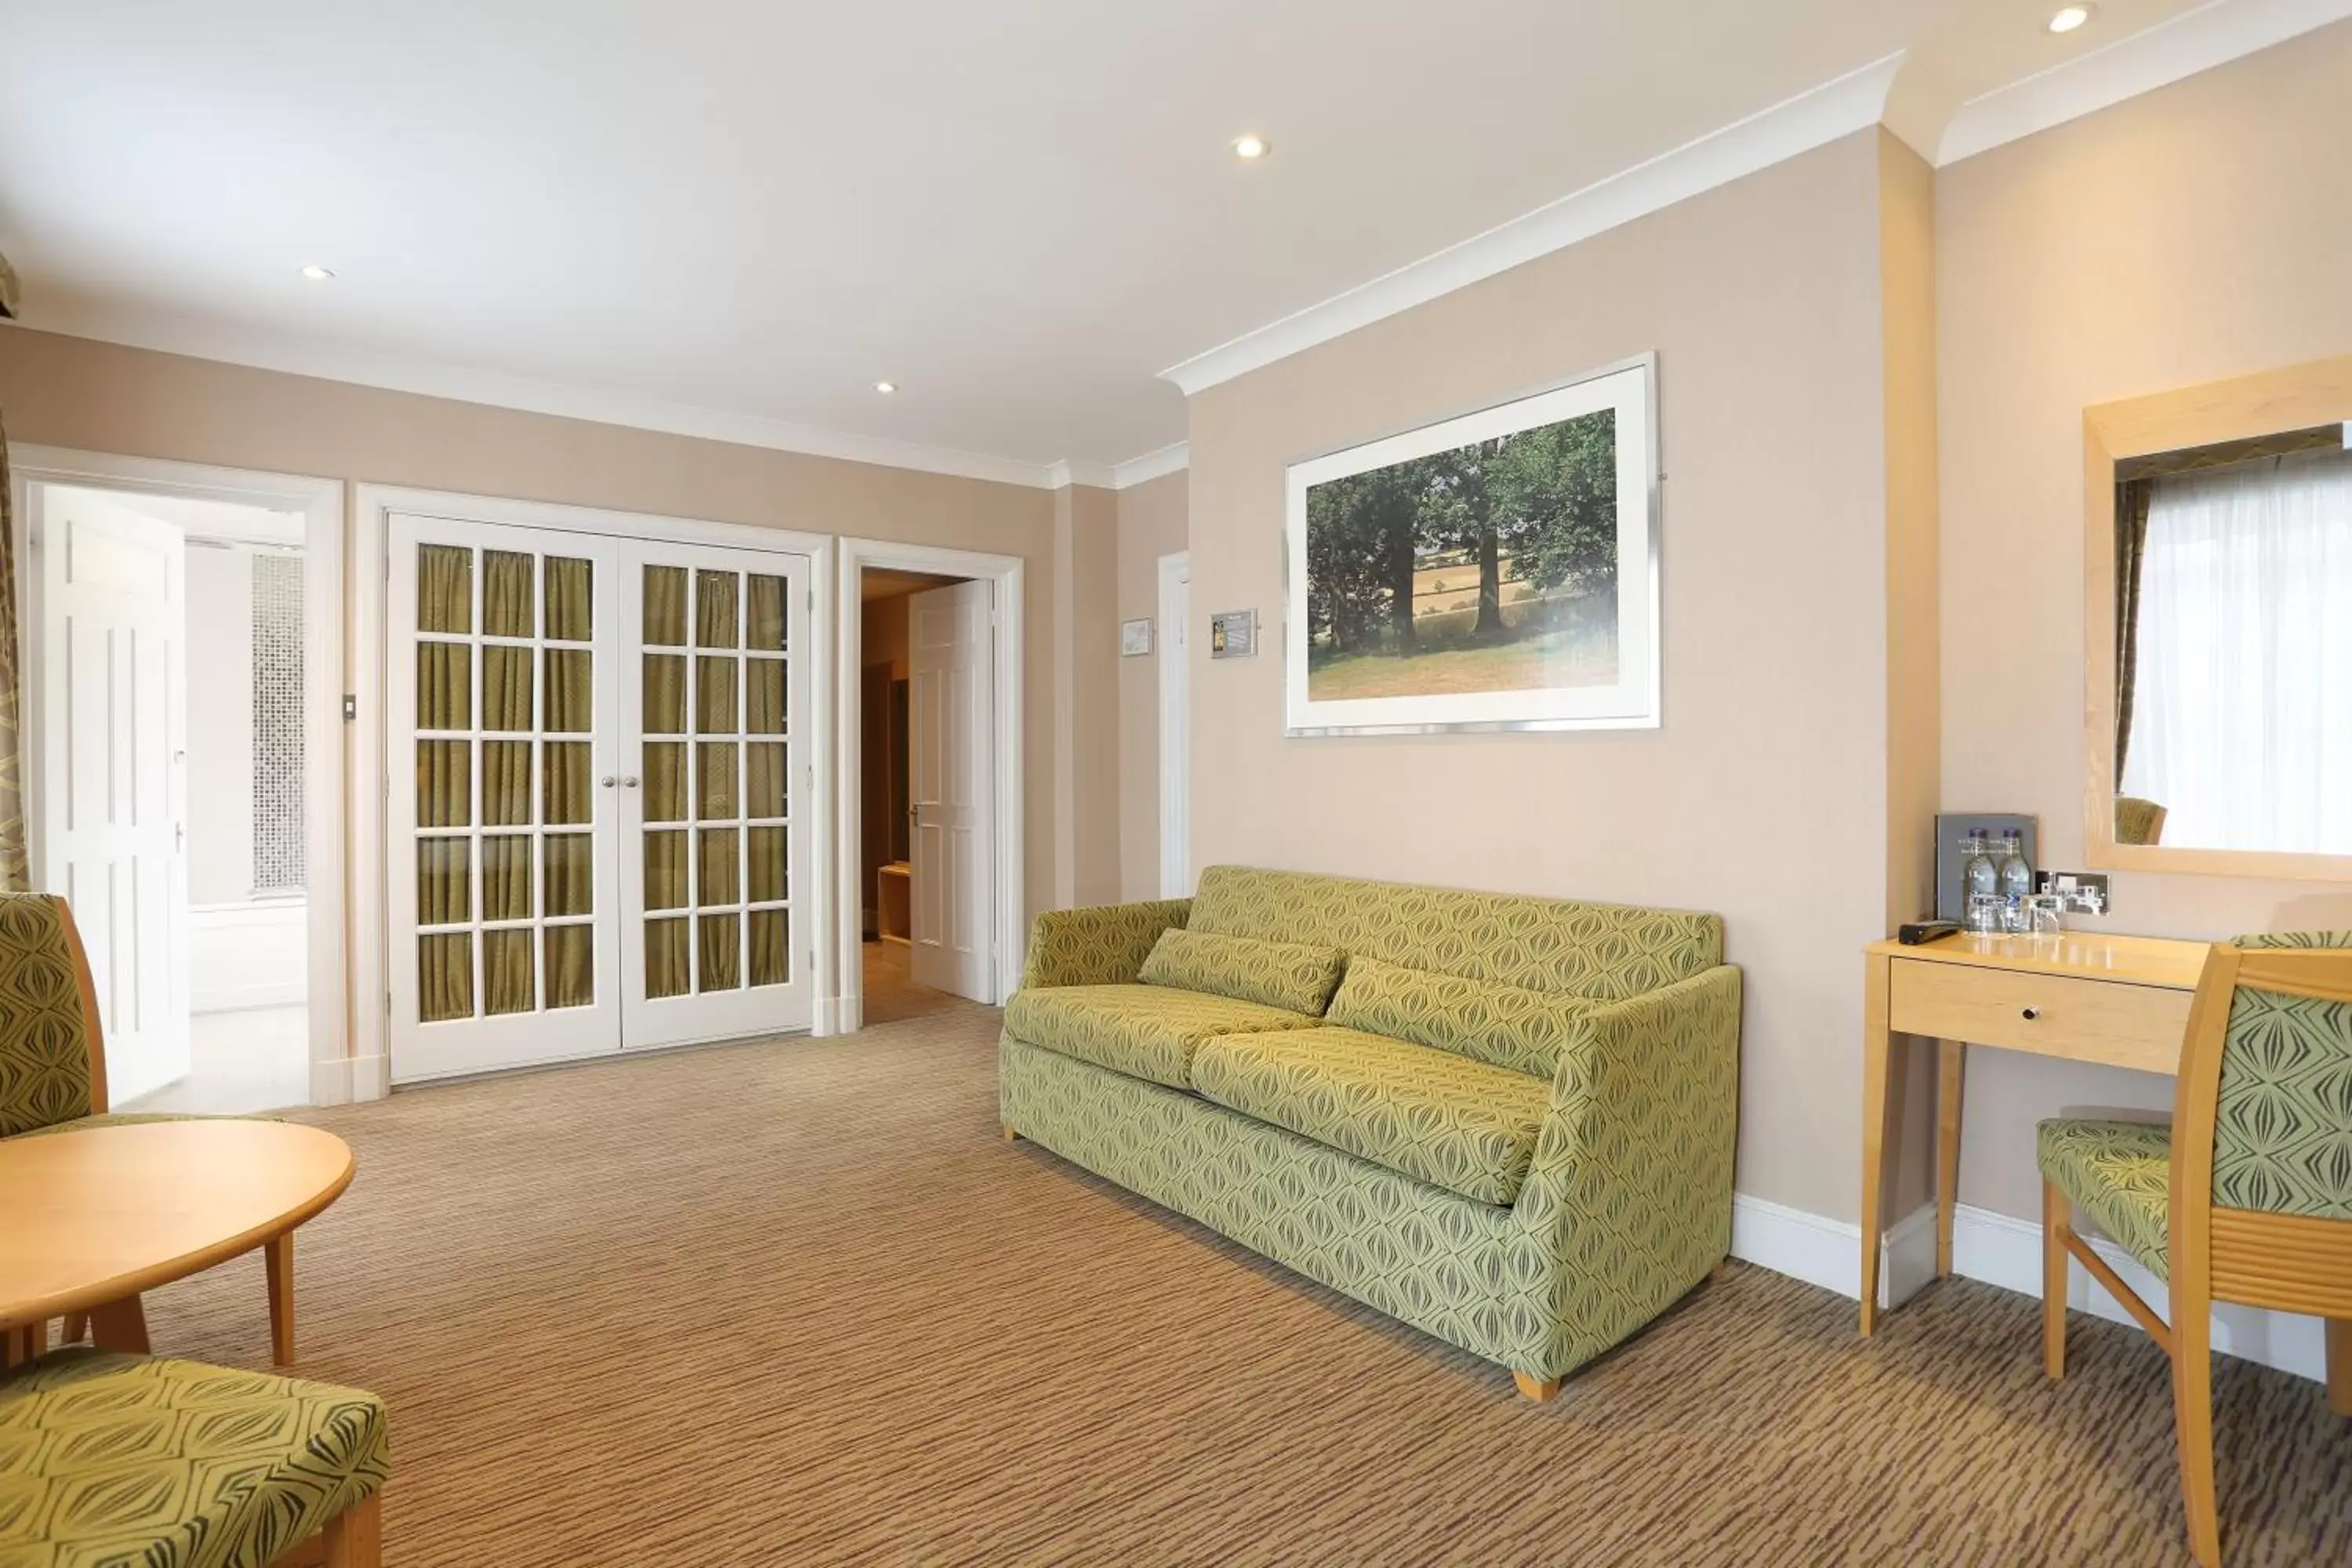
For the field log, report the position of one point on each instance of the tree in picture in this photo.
(1487, 567)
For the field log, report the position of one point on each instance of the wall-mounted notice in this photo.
(1134, 637)
(1232, 634)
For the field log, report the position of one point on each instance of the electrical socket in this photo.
(2086, 892)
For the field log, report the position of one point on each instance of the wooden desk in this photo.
(2118, 1001)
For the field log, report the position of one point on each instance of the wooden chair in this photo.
(125, 1458)
(53, 1076)
(2245, 1198)
(2138, 821)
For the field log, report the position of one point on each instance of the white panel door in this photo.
(502, 812)
(114, 761)
(715, 863)
(952, 773)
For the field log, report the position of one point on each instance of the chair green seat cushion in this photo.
(1292, 975)
(1464, 1125)
(1144, 1031)
(109, 1459)
(1505, 1025)
(2120, 1174)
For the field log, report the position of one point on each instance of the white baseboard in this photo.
(1996, 1249)
(1827, 1252)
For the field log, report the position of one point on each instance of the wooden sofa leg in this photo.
(354, 1538)
(1010, 1135)
(1535, 1389)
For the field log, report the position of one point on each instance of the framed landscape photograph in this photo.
(1497, 571)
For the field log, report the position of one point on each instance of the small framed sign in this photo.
(1134, 637)
(1232, 634)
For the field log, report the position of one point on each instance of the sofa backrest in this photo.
(1608, 951)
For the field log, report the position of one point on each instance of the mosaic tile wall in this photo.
(278, 853)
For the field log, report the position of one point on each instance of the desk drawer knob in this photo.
(2031, 1014)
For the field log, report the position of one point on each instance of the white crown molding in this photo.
(1152, 466)
(2213, 34)
(635, 412)
(1821, 115)
(1069, 471)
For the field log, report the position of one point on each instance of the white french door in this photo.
(952, 773)
(113, 794)
(596, 833)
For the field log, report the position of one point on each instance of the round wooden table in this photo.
(98, 1215)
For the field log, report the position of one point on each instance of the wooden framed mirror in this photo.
(2218, 624)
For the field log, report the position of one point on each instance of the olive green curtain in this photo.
(570, 690)
(506, 784)
(721, 936)
(507, 979)
(764, 788)
(666, 883)
(442, 881)
(764, 696)
(444, 784)
(714, 767)
(445, 686)
(2132, 500)
(444, 588)
(506, 877)
(714, 610)
(566, 798)
(506, 689)
(664, 694)
(714, 696)
(445, 976)
(571, 874)
(506, 608)
(720, 852)
(570, 613)
(770, 966)
(766, 864)
(764, 615)
(15, 872)
(666, 963)
(665, 781)
(666, 606)
(570, 966)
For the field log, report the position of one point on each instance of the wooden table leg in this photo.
(1877, 1048)
(278, 1255)
(1951, 1064)
(120, 1326)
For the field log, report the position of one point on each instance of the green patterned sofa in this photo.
(1511, 1125)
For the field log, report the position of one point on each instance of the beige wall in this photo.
(1085, 714)
(2195, 233)
(69, 392)
(1766, 796)
(1151, 523)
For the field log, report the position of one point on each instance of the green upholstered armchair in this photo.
(174, 1464)
(2247, 1197)
(2138, 821)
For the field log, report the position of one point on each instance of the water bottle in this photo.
(2016, 884)
(1979, 884)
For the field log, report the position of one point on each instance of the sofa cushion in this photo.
(1467, 1126)
(1610, 952)
(1506, 1025)
(1143, 1031)
(1287, 974)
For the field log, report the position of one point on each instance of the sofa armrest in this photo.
(1633, 1167)
(1103, 945)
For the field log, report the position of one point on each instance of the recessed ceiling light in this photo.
(2066, 18)
(885, 388)
(1251, 146)
(316, 273)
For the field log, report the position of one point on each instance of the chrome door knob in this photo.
(629, 781)
(608, 781)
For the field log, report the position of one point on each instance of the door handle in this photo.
(608, 781)
(628, 781)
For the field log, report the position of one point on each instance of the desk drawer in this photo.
(2109, 1022)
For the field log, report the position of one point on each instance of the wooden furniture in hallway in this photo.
(99, 1215)
(2117, 1000)
(894, 902)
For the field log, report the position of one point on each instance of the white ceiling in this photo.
(735, 215)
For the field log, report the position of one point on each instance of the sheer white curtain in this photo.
(2241, 725)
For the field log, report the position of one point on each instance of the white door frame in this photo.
(320, 501)
(1175, 699)
(1010, 931)
(373, 506)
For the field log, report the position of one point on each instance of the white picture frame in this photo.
(1629, 699)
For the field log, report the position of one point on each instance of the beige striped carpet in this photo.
(795, 1303)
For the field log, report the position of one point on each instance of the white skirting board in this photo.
(1998, 1250)
(249, 955)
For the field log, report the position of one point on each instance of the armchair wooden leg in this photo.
(120, 1326)
(2192, 1416)
(1535, 1389)
(2339, 1365)
(278, 1254)
(355, 1537)
(2056, 1221)
(1010, 1135)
